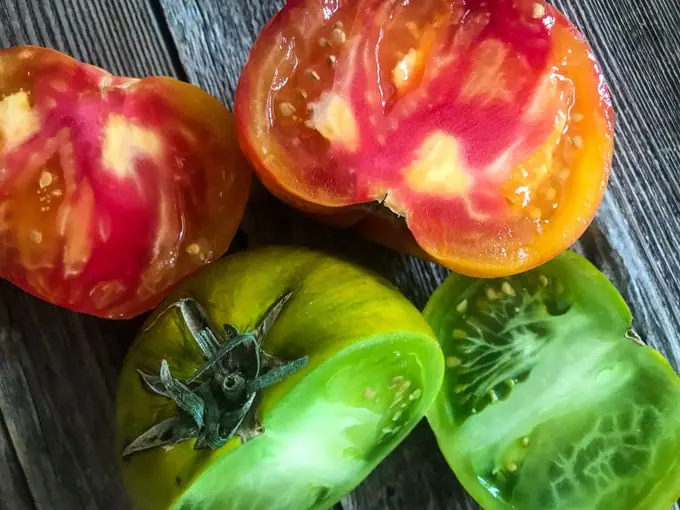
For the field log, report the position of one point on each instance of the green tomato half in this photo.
(373, 368)
(550, 400)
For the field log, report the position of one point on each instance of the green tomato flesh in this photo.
(548, 401)
(374, 369)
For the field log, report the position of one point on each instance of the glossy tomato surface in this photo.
(374, 367)
(111, 189)
(484, 128)
(550, 400)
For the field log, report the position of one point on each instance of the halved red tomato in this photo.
(111, 189)
(484, 127)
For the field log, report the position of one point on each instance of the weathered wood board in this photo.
(58, 370)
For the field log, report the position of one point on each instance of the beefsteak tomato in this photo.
(550, 400)
(484, 127)
(111, 189)
(320, 370)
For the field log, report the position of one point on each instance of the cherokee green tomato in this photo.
(373, 368)
(550, 400)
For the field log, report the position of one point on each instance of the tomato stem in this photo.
(213, 404)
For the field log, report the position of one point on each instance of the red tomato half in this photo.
(484, 126)
(111, 189)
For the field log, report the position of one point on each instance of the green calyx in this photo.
(218, 401)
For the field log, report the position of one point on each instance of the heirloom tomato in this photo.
(550, 400)
(484, 127)
(273, 379)
(111, 189)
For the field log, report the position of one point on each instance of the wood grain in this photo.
(58, 370)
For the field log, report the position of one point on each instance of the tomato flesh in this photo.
(112, 189)
(549, 400)
(486, 126)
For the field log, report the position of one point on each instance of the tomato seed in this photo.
(286, 109)
(313, 74)
(323, 42)
(36, 236)
(415, 395)
(338, 36)
(45, 179)
(507, 289)
(332, 60)
(459, 334)
(193, 249)
(538, 11)
(452, 362)
(462, 306)
(369, 393)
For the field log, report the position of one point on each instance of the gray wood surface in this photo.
(58, 369)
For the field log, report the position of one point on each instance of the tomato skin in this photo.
(535, 186)
(571, 394)
(374, 365)
(113, 188)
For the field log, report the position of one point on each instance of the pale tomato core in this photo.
(109, 192)
(461, 116)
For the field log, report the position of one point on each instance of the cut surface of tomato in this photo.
(550, 399)
(373, 369)
(111, 189)
(484, 126)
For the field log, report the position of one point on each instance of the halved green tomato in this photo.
(550, 400)
(320, 370)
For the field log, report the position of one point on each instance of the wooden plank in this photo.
(634, 240)
(58, 370)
